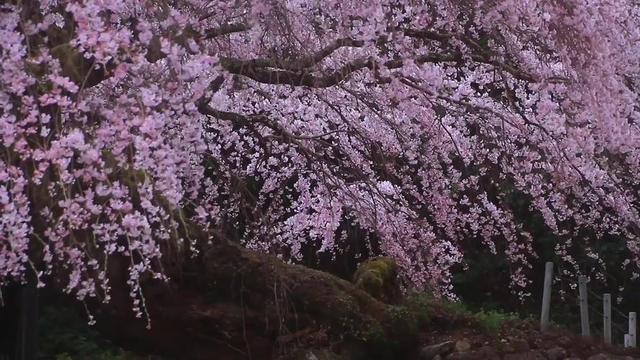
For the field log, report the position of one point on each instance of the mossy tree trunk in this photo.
(233, 303)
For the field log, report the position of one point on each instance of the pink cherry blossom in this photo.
(273, 123)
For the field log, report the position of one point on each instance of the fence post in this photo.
(584, 305)
(546, 296)
(626, 340)
(632, 329)
(606, 307)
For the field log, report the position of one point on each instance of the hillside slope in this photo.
(253, 306)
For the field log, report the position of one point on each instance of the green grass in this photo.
(493, 320)
(456, 307)
(490, 320)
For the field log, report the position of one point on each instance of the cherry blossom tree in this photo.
(124, 122)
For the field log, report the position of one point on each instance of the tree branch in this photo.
(226, 29)
(301, 78)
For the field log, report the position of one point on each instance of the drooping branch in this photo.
(226, 29)
(295, 78)
(298, 73)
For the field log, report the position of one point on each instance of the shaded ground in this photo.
(459, 337)
(235, 304)
(446, 333)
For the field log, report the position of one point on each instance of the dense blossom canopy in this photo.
(121, 121)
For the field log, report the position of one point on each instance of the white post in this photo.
(606, 310)
(584, 305)
(626, 340)
(632, 329)
(546, 296)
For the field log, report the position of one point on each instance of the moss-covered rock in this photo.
(291, 292)
(379, 278)
(232, 302)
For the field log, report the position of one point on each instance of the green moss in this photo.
(403, 323)
(389, 337)
(377, 277)
(420, 305)
(456, 308)
(396, 335)
(493, 320)
(400, 328)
